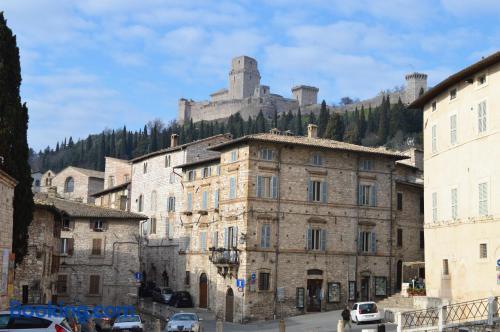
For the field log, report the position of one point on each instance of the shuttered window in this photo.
(94, 284)
(216, 199)
(62, 284)
(266, 154)
(483, 199)
(96, 247)
(367, 242)
(265, 236)
(152, 228)
(454, 203)
(264, 281)
(215, 239)
(481, 117)
(434, 207)
(189, 206)
(316, 239)
(203, 242)
(317, 191)
(171, 204)
(232, 187)
(267, 186)
(204, 200)
(231, 237)
(367, 195)
(453, 129)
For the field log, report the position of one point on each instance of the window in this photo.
(152, 226)
(170, 229)
(317, 159)
(481, 117)
(171, 204)
(266, 154)
(215, 239)
(111, 181)
(153, 201)
(434, 139)
(204, 200)
(97, 225)
(187, 279)
(69, 185)
(352, 290)
(400, 237)
(454, 203)
(96, 247)
(333, 292)
(267, 186)
(189, 202)
(453, 129)
(366, 164)
(453, 94)
(206, 172)
(62, 284)
(172, 178)
(367, 195)
(445, 267)
(167, 160)
(232, 187)
(191, 175)
(434, 207)
(67, 246)
(433, 106)
(94, 285)
(483, 199)
(367, 242)
(126, 178)
(316, 239)
(66, 223)
(234, 155)
(230, 237)
(203, 242)
(422, 240)
(318, 191)
(380, 286)
(217, 170)
(140, 202)
(483, 250)
(216, 199)
(400, 202)
(300, 297)
(265, 236)
(264, 281)
(481, 80)
(145, 168)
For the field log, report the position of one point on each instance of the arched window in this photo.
(69, 185)
(140, 203)
(37, 183)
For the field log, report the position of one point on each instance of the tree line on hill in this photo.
(391, 125)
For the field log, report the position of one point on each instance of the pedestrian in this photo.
(346, 317)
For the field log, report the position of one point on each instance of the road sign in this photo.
(240, 283)
(138, 276)
(253, 276)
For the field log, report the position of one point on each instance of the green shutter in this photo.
(324, 191)
(310, 190)
(309, 243)
(274, 187)
(323, 240)
(259, 186)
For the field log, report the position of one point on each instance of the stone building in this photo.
(7, 185)
(46, 180)
(98, 252)
(311, 222)
(36, 276)
(37, 181)
(157, 192)
(117, 184)
(248, 97)
(78, 184)
(462, 183)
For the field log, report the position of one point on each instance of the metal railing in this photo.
(476, 310)
(223, 256)
(420, 318)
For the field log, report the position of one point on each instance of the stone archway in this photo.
(203, 291)
(229, 305)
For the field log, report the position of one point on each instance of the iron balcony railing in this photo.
(224, 256)
(420, 318)
(466, 312)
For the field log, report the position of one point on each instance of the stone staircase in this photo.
(396, 301)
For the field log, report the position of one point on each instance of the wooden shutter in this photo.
(204, 200)
(274, 187)
(309, 239)
(374, 242)
(235, 236)
(310, 190)
(216, 199)
(94, 284)
(360, 241)
(71, 246)
(259, 186)
(232, 187)
(360, 195)
(324, 191)
(226, 238)
(374, 195)
(323, 240)
(215, 239)
(96, 246)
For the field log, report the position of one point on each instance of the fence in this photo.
(471, 313)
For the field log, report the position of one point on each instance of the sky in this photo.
(90, 65)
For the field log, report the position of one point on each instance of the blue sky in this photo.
(89, 65)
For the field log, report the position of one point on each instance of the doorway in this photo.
(229, 305)
(365, 289)
(25, 294)
(314, 295)
(399, 275)
(203, 300)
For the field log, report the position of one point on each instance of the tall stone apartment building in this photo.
(462, 183)
(7, 185)
(77, 184)
(157, 192)
(117, 185)
(309, 224)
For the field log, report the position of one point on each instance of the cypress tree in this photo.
(13, 138)
(298, 124)
(275, 119)
(260, 123)
(323, 119)
(312, 118)
(335, 127)
(383, 122)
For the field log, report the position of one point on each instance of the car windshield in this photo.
(184, 317)
(128, 319)
(367, 308)
(166, 291)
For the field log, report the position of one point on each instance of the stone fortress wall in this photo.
(248, 97)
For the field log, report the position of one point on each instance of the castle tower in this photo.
(244, 77)
(305, 95)
(415, 82)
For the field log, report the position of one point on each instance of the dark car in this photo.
(181, 300)
(162, 294)
(146, 290)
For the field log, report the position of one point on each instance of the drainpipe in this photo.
(277, 251)
(357, 232)
(391, 287)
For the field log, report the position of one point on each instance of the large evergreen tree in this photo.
(13, 138)
(323, 119)
(335, 127)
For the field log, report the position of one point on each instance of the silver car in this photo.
(183, 321)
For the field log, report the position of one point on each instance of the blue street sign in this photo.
(138, 276)
(240, 283)
(253, 277)
(498, 262)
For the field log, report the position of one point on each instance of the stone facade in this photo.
(37, 181)
(155, 182)
(117, 179)
(78, 184)
(46, 180)
(248, 97)
(7, 185)
(293, 209)
(37, 274)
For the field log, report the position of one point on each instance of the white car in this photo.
(365, 312)
(132, 323)
(10, 322)
(184, 321)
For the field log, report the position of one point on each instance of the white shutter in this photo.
(226, 238)
(309, 240)
(259, 186)
(323, 240)
(274, 187)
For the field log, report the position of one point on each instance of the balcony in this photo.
(226, 260)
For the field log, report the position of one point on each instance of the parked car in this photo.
(71, 319)
(365, 312)
(181, 300)
(183, 321)
(101, 321)
(162, 294)
(146, 290)
(13, 323)
(132, 323)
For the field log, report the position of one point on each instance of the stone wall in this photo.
(6, 214)
(119, 169)
(84, 185)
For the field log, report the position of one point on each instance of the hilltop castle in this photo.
(247, 96)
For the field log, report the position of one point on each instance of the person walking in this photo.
(346, 317)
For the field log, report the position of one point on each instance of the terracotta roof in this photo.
(311, 142)
(75, 209)
(111, 189)
(176, 148)
(89, 172)
(455, 78)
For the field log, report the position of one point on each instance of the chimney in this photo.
(174, 140)
(52, 192)
(312, 131)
